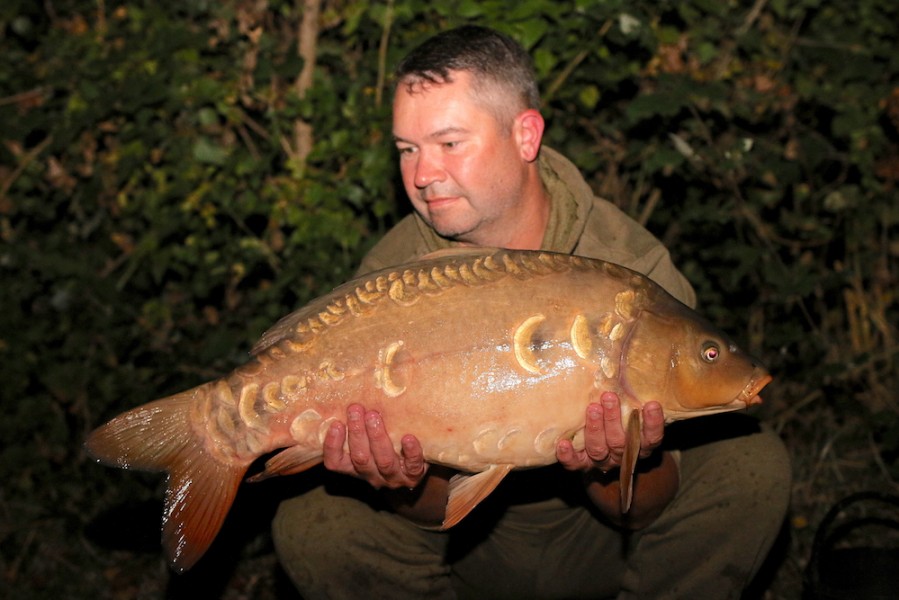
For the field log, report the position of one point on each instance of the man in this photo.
(469, 138)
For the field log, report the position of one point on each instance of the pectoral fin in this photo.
(287, 462)
(629, 460)
(466, 491)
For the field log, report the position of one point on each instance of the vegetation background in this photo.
(174, 176)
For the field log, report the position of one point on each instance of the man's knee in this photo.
(306, 532)
(738, 464)
(333, 545)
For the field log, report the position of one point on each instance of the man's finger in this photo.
(357, 439)
(332, 448)
(413, 457)
(596, 445)
(611, 414)
(653, 426)
(569, 458)
(382, 452)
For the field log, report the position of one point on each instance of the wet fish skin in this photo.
(487, 356)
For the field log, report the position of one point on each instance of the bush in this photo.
(172, 181)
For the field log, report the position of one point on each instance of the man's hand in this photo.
(604, 437)
(656, 482)
(371, 455)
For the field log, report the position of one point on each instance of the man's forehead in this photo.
(429, 109)
(437, 134)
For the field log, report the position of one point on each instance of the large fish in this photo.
(487, 356)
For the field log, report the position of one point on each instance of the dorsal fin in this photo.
(460, 251)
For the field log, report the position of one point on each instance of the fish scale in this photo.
(489, 357)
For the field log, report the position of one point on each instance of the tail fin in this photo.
(158, 437)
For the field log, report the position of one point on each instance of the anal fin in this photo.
(466, 491)
(629, 459)
(289, 461)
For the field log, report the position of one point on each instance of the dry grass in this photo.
(834, 454)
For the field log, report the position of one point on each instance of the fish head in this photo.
(678, 358)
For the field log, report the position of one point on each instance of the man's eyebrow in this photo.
(434, 135)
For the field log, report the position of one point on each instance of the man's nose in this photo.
(429, 169)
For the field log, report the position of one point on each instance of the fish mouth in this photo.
(750, 394)
(747, 397)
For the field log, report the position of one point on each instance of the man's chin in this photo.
(451, 230)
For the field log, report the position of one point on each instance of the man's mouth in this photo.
(438, 202)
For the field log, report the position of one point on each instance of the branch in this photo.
(26, 160)
(751, 17)
(307, 48)
(382, 53)
(308, 44)
(571, 66)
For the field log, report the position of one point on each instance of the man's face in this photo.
(463, 171)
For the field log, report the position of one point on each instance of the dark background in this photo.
(174, 176)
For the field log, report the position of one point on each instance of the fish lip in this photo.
(750, 394)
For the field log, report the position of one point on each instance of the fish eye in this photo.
(710, 352)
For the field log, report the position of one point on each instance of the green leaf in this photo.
(206, 151)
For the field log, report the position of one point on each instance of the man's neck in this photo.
(530, 229)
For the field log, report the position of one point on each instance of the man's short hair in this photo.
(495, 61)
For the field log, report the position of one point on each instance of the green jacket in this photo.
(579, 223)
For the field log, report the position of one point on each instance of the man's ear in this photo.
(528, 130)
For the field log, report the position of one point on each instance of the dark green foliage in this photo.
(157, 211)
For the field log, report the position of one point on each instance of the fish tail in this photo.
(158, 437)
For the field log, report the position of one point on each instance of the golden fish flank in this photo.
(487, 356)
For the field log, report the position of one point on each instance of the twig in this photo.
(724, 60)
(307, 48)
(382, 54)
(822, 456)
(653, 200)
(307, 44)
(247, 140)
(21, 96)
(571, 66)
(252, 124)
(23, 164)
(878, 460)
(787, 414)
(751, 18)
(12, 573)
